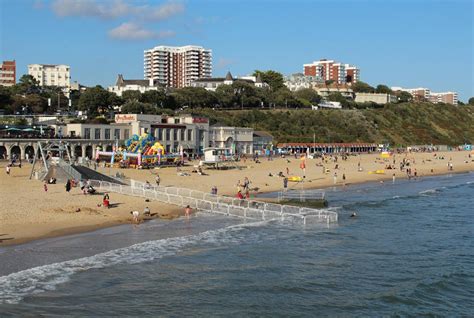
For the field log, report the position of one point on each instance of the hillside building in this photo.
(8, 73)
(177, 67)
(327, 70)
(51, 74)
(122, 85)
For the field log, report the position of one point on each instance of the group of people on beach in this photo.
(243, 189)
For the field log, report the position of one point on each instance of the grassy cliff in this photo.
(397, 124)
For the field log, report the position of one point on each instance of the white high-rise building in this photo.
(175, 66)
(51, 75)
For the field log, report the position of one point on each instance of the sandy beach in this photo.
(27, 212)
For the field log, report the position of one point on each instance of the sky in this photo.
(398, 43)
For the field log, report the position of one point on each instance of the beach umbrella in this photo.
(13, 129)
(28, 129)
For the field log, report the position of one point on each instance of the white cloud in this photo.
(110, 9)
(164, 11)
(131, 31)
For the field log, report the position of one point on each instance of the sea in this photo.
(408, 253)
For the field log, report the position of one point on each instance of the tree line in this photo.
(27, 97)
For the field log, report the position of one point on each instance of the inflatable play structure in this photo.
(140, 151)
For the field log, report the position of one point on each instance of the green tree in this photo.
(284, 98)
(309, 95)
(361, 87)
(157, 98)
(27, 84)
(404, 97)
(136, 107)
(5, 97)
(471, 101)
(272, 78)
(94, 99)
(383, 89)
(131, 95)
(194, 97)
(225, 96)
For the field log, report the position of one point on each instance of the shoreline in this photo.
(40, 221)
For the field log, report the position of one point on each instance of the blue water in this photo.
(410, 252)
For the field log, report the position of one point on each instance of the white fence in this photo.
(301, 195)
(220, 204)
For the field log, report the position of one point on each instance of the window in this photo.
(182, 134)
(175, 134)
(97, 133)
(72, 133)
(126, 134)
(87, 133)
(190, 134)
(117, 133)
(159, 134)
(107, 133)
(167, 134)
(176, 120)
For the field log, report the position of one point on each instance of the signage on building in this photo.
(125, 118)
(200, 120)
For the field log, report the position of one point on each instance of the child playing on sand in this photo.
(135, 216)
(45, 187)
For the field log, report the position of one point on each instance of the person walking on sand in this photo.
(157, 180)
(344, 179)
(7, 169)
(335, 178)
(285, 184)
(68, 185)
(393, 178)
(45, 187)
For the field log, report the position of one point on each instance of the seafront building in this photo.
(122, 85)
(177, 67)
(188, 131)
(8, 73)
(239, 139)
(375, 98)
(51, 74)
(327, 70)
(212, 83)
(425, 94)
(192, 133)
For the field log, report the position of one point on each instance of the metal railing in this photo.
(220, 204)
(73, 173)
(301, 195)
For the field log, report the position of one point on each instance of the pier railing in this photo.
(218, 204)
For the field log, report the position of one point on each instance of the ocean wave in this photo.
(15, 286)
(429, 191)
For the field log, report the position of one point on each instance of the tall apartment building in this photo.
(177, 66)
(8, 73)
(330, 70)
(51, 75)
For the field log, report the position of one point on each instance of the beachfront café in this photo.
(302, 147)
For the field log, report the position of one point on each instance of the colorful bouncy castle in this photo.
(138, 151)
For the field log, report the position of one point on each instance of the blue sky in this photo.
(399, 43)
